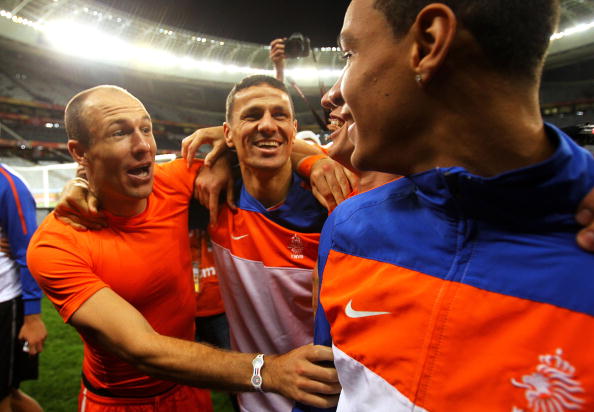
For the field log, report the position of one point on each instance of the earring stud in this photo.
(419, 78)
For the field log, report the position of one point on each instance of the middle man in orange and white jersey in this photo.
(265, 250)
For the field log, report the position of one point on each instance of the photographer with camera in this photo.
(293, 47)
(277, 56)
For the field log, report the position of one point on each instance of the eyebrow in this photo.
(345, 37)
(123, 121)
(262, 107)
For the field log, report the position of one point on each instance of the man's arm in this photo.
(331, 183)
(111, 322)
(17, 216)
(277, 56)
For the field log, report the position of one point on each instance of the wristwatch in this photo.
(256, 380)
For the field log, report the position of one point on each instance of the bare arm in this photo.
(331, 183)
(78, 206)
(210, 183)
(213, 136)
(277, 56)
(215, 178)
(109, 321)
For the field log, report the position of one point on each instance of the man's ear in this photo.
(433, 34)
(78, 151)
(228, 135)
(295, 126)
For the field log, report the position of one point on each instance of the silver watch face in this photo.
(257, 362)
(257, 381)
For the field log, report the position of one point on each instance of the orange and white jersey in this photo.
(265, 259)
(446, 291)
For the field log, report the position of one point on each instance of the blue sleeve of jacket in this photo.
(322, 334)
(18, 220)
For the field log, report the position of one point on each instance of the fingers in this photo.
(331, 183)
(208, 135)
(585, 239)
(322, 388)
(218, 148)
(344, 184)
(36, 348)
(320, 353)
(190, 146)
(277, 51)
(585, 217)
(78, 206)
(321, 199)
(66, 220)
(351, 177)
(319, 401)
(300, 376)
(331, 198)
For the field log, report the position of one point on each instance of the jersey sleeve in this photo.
(62, 269)
(321, 326)
(18, 220)
(179, 177)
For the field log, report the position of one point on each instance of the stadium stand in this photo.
(37, 79)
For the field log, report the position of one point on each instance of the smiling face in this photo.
(341, 148)
(120, 156)
(379, 88)
(261, 128)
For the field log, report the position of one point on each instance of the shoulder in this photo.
(175, 177)
(176, 168)
(12, 183)
(58, 235)
(373, 202)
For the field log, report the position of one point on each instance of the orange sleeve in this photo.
(180, 178)
(60, 266)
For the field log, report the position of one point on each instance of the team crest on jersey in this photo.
(552, 387)
(296, 247)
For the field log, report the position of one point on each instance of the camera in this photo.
(297, 45)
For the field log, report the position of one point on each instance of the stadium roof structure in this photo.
(90, 30)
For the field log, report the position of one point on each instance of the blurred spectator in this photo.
(22, 331)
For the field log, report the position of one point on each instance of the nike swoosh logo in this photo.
(238, 237)
(352, 313)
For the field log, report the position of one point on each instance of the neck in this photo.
(487, 130)
(369, 180)
(124, 207)
(269, 187)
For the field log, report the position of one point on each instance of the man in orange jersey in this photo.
(265, 250)
(128, 289)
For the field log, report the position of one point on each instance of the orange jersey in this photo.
(265, 259)
(206, 281)
(145, 259)
(446, 291)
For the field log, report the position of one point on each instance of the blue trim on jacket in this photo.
(18, 240)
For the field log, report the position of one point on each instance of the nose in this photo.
(267, 125)
(142, 143)
(333, 97)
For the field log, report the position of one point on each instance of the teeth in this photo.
(267, 144)
(140, 171)
(336, 122)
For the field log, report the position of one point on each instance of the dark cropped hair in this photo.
(250, 81)
(513, 34)
(76, 126)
